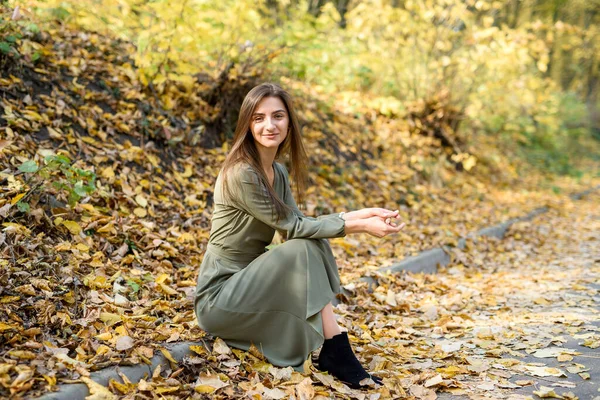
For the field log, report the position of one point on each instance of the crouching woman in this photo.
(278, 300)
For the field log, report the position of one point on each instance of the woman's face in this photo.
(269, 123)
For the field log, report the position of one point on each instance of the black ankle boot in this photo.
(338, 359)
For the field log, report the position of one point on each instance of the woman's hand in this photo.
(370, 212)
(377, 226)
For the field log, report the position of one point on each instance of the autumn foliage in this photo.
(114, 123)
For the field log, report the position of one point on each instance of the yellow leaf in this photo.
(108, 173)
(141, 200)
(168, 355)
(104, 336)
(82, 247)
(256, 352)
(17, 198)
(22, 354)
(121, 330)
(66, 246)
(108, 228)
(123, 127)
(185, 237)
(153, 159)
(41, 284)
(50, 379)
(469, 163)
(200, 350)
(220, 347)
(592, 343)
(209, 383)
(14, 227)
(26, 289)
(168, 290)
(450, 371)
(144, 386)
(9, 299)
(97, 391)
(140, 212)
(121, 387)
(546, 393)
(305, 390)
(544, 371)
(32, 115)
(72, 226)
(89, 140)
(189, 170)
(54, 134)
(7, 327)
(166, 389)
(109, 318)
(564, 357)
(204, 389)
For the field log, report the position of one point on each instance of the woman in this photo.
(279, 300)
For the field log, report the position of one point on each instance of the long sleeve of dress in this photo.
(255, 201)
(288, 198)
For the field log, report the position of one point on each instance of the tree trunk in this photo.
(515, 13)
(553, 55)
(593, 81)
(314, 7)
(342, 7)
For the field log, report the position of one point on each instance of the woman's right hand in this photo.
(375, 226)
(379, 227)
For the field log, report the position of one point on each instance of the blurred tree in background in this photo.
(524, 71)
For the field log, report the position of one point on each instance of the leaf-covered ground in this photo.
(463, 331)
(110, 280)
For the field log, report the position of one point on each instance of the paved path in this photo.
(547, 299)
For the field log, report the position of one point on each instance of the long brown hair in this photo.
(243, 149)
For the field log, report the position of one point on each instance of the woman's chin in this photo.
(270, 145)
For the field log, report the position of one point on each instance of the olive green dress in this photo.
(272, 299)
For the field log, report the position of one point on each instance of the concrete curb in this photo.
(73, 391)
(428, 261)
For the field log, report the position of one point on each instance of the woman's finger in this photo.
(396, 228)
(387, 213)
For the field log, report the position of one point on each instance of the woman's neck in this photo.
(267, 156)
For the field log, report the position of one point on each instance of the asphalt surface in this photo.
(569, 317)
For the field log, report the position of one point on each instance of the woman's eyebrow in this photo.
(276, 111)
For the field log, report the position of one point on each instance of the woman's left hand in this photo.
(370, 212)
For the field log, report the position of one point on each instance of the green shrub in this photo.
(56, 174)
